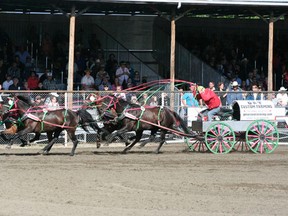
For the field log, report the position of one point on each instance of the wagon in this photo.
(251, 126)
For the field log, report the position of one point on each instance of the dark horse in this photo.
(53, 122)
(133, 117)
(12, 125)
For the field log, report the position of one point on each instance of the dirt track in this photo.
(176, 182)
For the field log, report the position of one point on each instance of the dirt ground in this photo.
(176, 182)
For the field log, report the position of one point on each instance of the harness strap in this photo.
(159, 112)
(42, 122)
(140, 117)
(65, 119)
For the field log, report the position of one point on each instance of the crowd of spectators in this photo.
(91, 70)
(239, 57)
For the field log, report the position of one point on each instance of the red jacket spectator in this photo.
(33, 81)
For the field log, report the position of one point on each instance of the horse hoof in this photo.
(71, 154)
(23, 144)
(124, 152)
(8, 147)
(98, 145)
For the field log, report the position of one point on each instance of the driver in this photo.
(209, 97)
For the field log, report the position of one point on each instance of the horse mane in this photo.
(24, 99)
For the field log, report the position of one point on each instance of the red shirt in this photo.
(33, 82)
(210, 98)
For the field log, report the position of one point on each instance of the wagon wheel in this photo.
(240, 144)
(262, 136)
(196, 144)
(219, 138)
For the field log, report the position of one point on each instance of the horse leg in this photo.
(138, 137)
(36, 137)
(151, 138)
(21, 133)
(2, 135)
(71, 134)
(51, 141)
(162, 137)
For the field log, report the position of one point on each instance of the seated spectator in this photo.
(122, 73)
(235, 93)
(119, 93)
(50, 83)
(256, 93)
(144, 99)
(222, 93)
(87, 81)
(282, 97)
(38, 101)
(15, 85)
(14, 70)
(49, 97)
(154, 101)
(40, 86)
(33, 81)
(134, 100)
(7, 83)
(53, 104)
(104, 83)
(101, 74)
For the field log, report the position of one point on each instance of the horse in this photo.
(53, 122)
(133, 117)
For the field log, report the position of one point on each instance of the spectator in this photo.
(7, 83)
(143, 99)
(255, 95)
(122, 73)
(101, 74)
(23, 54)
(282, 97)
(50, 83)
(154, 101)
(14, 70)
(104, 83)
(119, 93)
(38, 101)
(164, 100)
(131, 71)
(222, 93)
(87, 81)
(15, 85)
(40, 86)
(33, 81)
(49, 97)
(188, 99)
(111, 66)
(235, 93)
(211, 86)
(134, 99)
(53, 104)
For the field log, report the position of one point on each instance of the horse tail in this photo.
(86, 119)
(179, 121)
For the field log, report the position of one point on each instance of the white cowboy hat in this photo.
(282, 89)
(235, 83)
(54, 94)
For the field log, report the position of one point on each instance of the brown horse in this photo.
(132, 117)
(52, 122)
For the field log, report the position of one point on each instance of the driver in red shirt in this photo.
(211, 100)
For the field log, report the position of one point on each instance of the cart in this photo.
(253, 127)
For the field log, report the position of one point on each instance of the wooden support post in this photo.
(172, 60)
(71, 58)
(270, 55)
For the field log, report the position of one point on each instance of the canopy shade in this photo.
(244, 8)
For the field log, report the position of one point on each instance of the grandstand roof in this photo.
(215, 8)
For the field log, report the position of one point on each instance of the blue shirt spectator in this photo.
(234, 94)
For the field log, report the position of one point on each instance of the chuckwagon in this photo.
(248, 125)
